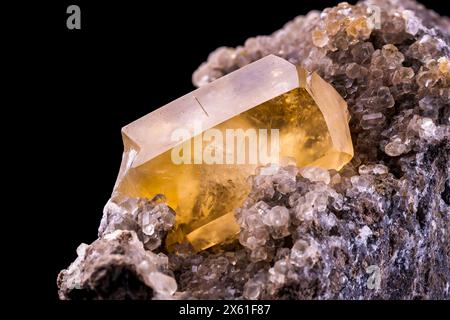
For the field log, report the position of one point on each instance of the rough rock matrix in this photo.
(379, 228)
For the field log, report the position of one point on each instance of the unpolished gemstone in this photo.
(200, 149)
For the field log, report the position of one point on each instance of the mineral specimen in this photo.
(376, 229)
(203, 171)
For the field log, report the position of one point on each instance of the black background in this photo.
(128, 59)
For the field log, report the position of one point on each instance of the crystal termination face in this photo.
(300, 115)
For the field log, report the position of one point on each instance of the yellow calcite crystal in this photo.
(200, 149)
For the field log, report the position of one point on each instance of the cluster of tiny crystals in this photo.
(312, 233)
(308, 233)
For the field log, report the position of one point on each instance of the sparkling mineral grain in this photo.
(376, 229)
